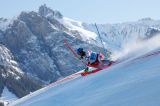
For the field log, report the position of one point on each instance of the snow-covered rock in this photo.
(3, 24)
(12, 77)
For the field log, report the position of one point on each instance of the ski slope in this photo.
(132, 82)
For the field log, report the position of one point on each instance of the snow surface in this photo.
(133, 82)
(77, 25)
(7, 95)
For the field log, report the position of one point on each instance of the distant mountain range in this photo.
(33, 53)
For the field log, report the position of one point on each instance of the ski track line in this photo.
(148, 55)
(66, 78)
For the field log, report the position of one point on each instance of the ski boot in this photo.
(86, 69)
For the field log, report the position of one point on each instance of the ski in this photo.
(84, 73)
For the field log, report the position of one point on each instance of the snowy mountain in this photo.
(12, 78)
(133, 81)
(116, 36)
(35, 40)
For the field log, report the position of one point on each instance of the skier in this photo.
(92, 59)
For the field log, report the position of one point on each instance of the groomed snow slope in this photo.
(134, 82)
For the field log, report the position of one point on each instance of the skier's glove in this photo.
(79, 57)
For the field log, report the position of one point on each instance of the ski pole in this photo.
(70, 48)
(100, 38)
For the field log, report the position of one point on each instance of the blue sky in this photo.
(100, 11)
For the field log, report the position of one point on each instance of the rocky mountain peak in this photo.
(146, 19)
(152, 31)
(3, 19)
(49, 13)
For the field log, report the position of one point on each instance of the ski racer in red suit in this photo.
(92, 59)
